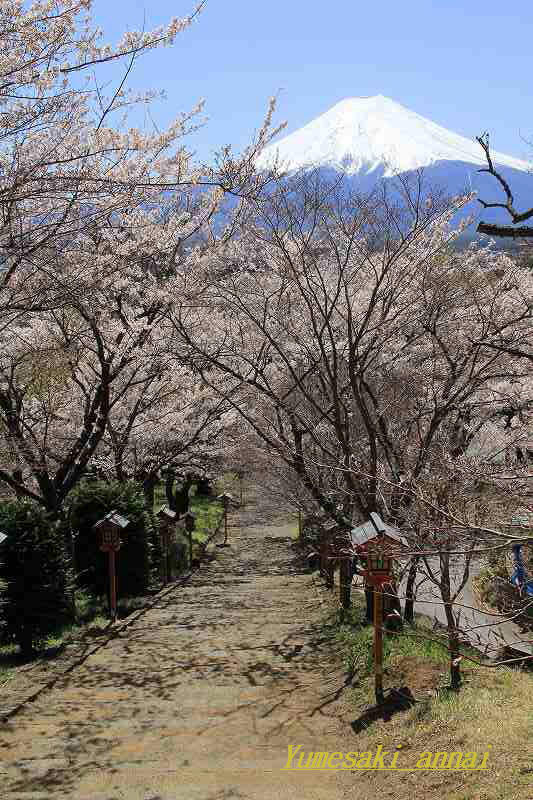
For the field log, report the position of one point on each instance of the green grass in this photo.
(355, 638)
(208, 514)
(208, 510)
(356, 641)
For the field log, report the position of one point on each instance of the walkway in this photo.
(199, 698)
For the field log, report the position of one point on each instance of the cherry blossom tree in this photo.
(68, 161)
(353, 333)
(171, 424)
(96, 217)
(350, 348)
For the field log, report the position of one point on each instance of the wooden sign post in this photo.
(110, 527)
(378, 643)
(112, 585)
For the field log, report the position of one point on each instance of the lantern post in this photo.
(110, 528)
(370, 540)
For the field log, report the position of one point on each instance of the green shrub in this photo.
(88, 503)
(35, 573)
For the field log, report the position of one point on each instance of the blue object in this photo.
(518, 578)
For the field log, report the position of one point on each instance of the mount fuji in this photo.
(372, 139)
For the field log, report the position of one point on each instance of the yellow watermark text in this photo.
(380, 759)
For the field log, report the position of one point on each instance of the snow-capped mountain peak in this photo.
(363, 134)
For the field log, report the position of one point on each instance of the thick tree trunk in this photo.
(178, 499)
(409, 609)
(204, 488)
(25, 642)
(182, 497)
(453, 643)
(149, 492)
(453, 633)
(345, 580)
(18, 477)
(169, 490)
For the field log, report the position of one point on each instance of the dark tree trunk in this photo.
(17, 475)
(169, 490)
(453, 633)
(149, 492)
(327, 565)
(345, 580)
(204, 488)
(182, 497)
(409, 609)
(25, 642)
(453, 643)
(178, 498)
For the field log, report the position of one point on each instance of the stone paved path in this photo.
(197, 699)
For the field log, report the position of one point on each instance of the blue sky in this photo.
(466, 66)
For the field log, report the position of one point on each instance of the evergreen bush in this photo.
(88, 503)
(35, 575)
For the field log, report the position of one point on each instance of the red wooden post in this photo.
(378, 642)
(112, 586)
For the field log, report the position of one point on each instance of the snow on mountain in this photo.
(364, 134)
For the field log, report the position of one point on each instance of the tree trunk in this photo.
(169, 489)
(178, 499)
(453, 634)
(453, 643)
(17, 476)
(345, 580)
(204, 488)
(182, 497)
(149, 492)
(409, 609)
(25, 642)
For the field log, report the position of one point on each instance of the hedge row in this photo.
(43, 558)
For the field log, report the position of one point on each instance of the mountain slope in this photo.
(365, 133)
(373, 138)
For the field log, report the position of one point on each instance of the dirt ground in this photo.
(201, 695)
